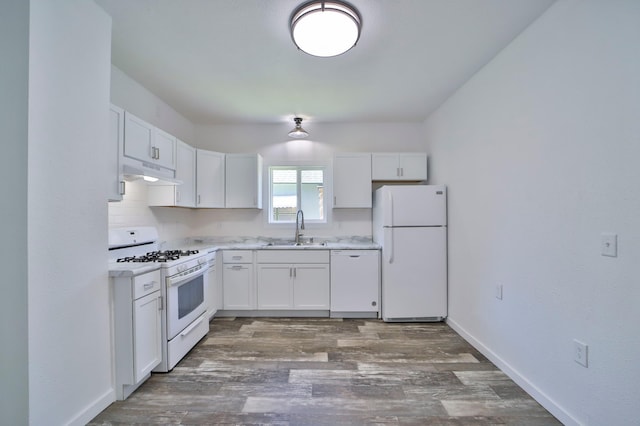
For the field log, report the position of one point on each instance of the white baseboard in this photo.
(536, 393)
(93, 409)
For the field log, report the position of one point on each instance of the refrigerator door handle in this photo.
(388, 246)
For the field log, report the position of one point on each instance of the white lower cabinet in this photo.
(274, 286)
(293, 279)
(238, 280)
(137, 329)
(311, 286)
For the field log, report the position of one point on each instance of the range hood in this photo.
(152, 173)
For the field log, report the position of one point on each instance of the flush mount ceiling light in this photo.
(298, 132)
(325, 28)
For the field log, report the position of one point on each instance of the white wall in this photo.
(14, 50)
(271, 141)
(70, 377)
(539, 151)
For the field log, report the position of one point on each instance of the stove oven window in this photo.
(190, 296)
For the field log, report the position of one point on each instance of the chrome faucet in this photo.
(299, 226)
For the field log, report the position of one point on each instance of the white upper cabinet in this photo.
(116, 144)
(210, 179)
(409, 166)
(183, 195)
(185, 172)
(165, 149)
(243, 183)
(352, 180)
(145, 142)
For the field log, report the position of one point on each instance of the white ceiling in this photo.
(233, 61)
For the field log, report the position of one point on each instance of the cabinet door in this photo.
(147, 334)
(138, 137)
(311, 286)
(186, 172)
(238, 286)
(165, 149)
(413, 166)
(210, 179)
(243, 183)
(274, 286)
(116, 145)
(352, 181)
(384, 166)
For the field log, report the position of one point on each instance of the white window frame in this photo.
(309, 223)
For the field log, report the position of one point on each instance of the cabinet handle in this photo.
(401, 171)
(148, 286)
(334, 200)
(177, 196)
(290, 272)
(122, 187)
(236, 257)
(155, 153)
(198, 199)
(295, 272)
(236, 268)
(160, 303)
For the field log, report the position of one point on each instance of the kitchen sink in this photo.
(291, 244)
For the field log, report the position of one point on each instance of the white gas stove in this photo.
(183, 279)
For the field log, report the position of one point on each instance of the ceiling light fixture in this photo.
(325, 28)
(298, 132)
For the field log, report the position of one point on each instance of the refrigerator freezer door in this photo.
(414, 282)
(413, 205)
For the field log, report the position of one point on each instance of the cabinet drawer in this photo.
(146, 283)
(237, 256)
(293, 256)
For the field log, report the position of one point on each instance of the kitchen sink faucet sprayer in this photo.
(299, 226)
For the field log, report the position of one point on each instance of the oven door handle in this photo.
(179, 280)
(192, 326)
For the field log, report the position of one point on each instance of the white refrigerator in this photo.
(410, 223)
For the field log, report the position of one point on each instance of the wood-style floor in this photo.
(301, 371)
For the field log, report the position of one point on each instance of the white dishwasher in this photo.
(355, 283)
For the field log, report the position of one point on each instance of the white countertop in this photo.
(212, 244)
(129, 269)
(265, 243)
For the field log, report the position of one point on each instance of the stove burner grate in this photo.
(159, 256)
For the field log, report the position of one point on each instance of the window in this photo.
(294, 188)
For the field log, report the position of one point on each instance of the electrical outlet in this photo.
(609, 245)
(499, 291)
(581, 353)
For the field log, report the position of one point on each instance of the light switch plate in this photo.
(609, 245)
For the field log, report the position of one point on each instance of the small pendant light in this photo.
(298, 132)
